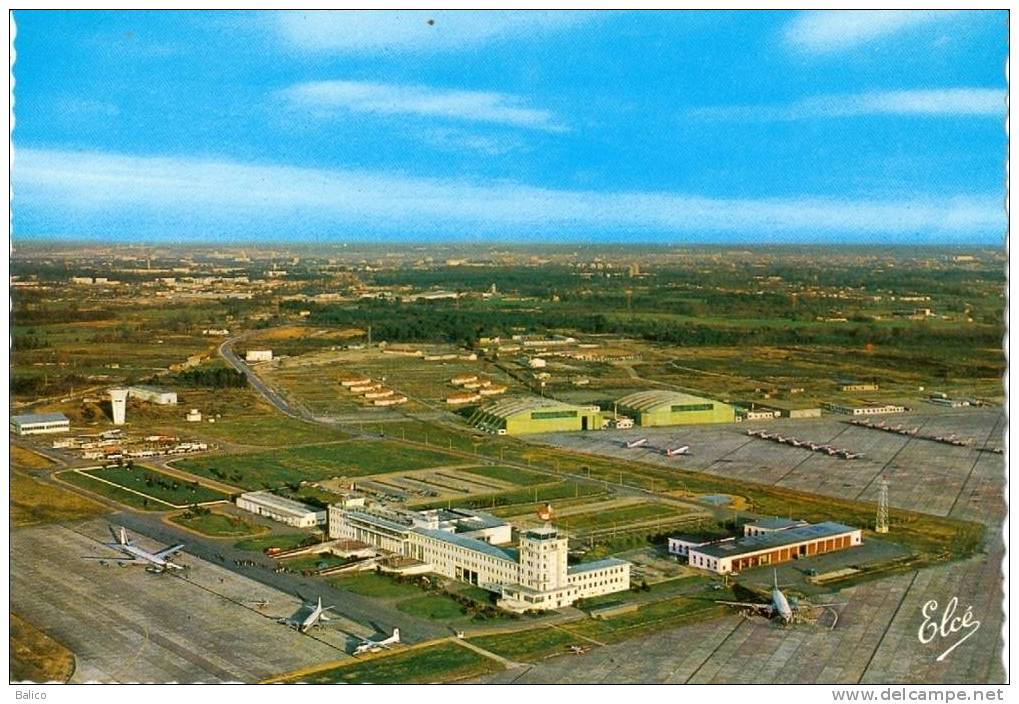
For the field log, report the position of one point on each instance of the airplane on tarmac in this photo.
(316, 614)
(578, 649)
(158, 561)
(373, 646)
(780, 607)
(635, 443)
(674, 451)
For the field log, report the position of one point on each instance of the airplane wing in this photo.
(111, 558)
(748, 605)
(168, 552)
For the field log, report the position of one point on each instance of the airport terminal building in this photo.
(657, 408)
(40, 423)
(465, 546)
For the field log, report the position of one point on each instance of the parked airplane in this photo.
(578, 649)
(132, 554)
(780, 607)
(373, 646)
(672, 452)
(316, 614)
(635, 443)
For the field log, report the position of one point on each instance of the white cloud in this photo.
(350, 31)
(326, 97)
(822, 32)
(113, 195)
(946, 102)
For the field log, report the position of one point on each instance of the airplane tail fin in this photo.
(123, 536)
(396, 635)
(775, 572)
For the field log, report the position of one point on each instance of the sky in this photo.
(535, 126)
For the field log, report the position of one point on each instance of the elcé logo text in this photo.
(946, 624)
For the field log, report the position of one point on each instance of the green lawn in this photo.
(513, 475)
(523, 497)
(621, 516)
(313, 562)
(158, 485)
(283, 541)
(444, 662)
(316, 462)
(112, 492)
(651, 617)
(432, 606)
(377, 585)
(218, 525)
(529, 645)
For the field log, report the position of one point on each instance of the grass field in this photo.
(218, 525)
(110, 491)
(523, 498)
(316, 462)
(621, 517)
(26, 459)
(443, 662)
(33, 502)
(376, 585)
(530, 645)
(158, 485)
(654, 616)
(512, 475)
(35, 657)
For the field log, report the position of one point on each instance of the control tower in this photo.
(118, 399)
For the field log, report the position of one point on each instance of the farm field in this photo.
(354, 458)
(510, 475)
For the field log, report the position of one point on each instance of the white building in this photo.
(258, 356)
(463, 545)
(292, 513)
(193, 416)
(40, 423)
(153, 394)
(774, 546)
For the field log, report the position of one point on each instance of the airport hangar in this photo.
(773, 546)
(535, 576)
(39, 423)
(520, 415)
(658, 407)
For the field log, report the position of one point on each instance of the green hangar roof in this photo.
(655, 400)
(509, 407)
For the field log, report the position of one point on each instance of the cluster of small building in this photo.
(112, 445)
(866, 410)
(474, 388)
(372, 391)
(764, 542)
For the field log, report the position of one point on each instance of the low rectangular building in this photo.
(40, 423)
(258, 356)
(863, 410)
(774, 546)
(278, 508)
(153, 394)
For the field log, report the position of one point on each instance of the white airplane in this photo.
(674, 451)
(316, 614)
(779, 607)
(635, 443)
(373, 646)
(132, 554)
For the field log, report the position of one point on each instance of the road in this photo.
(274, 398)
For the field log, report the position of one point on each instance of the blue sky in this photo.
(667, 127)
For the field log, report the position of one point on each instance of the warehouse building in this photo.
(153, 394)
(773, 546)
(291, 513)
(520, 415)
(657, 407)
(40, 423)
(464, 546)
(258, 356)
(863, 410)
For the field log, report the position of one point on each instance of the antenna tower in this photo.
(881, 526)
